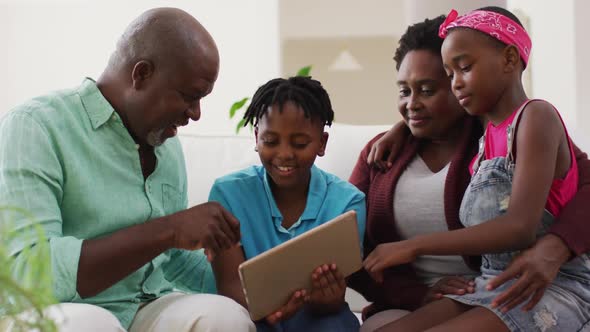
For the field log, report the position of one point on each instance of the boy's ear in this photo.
(141, 72)
(324, 139)
(511, 58)
(256, 135)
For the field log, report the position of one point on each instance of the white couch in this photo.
(209, 157)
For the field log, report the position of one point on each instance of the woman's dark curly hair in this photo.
(420, 36)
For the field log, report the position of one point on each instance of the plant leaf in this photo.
(240, 125)
(24, 287)
(236, 106)
(304, 71)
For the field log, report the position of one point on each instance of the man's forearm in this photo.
(105, 261)
(553, 248)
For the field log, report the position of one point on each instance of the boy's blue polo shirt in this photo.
(247, 195)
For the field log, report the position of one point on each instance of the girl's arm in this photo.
(538, 139)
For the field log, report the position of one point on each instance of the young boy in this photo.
(286, 197)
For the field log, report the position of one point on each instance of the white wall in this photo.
(319, 33)
(559, 59)
(582, 72)
(552, 61)
(53, 44)
(418, 10)
(340, 18)
(49, 45)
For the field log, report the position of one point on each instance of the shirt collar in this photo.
(99, 110)
(315, 197)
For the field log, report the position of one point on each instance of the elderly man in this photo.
(100, 169)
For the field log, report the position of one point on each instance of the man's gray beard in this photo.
(154, 137)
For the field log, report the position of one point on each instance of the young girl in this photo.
(523, 176)
(286, 197)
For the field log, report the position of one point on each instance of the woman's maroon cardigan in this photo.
(401, 289)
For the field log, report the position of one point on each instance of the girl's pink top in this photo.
(562, 190)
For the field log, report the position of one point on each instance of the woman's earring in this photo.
(256, 148)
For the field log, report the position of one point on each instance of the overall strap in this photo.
(480, 152)
(511, 132)
(510, 140)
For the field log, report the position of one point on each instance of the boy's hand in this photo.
(295, 303)
(328, 289)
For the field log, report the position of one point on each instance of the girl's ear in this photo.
(324, 140)
(511, 58)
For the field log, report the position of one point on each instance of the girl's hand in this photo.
(328, 289)
(449, 285)
(295, 303)
(388, 254)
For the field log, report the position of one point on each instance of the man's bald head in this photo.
(164, 64)
(167, 37)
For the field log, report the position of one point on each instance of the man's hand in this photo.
(534, 270)
(295, 303)
(449, 285)
(389, 144)
(207, 226)
(328, 289)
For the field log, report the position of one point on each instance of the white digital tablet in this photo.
(269, 279)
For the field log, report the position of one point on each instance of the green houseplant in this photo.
(23, 298)
(240, 104)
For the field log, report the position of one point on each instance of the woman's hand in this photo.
(388, 145)
(389, 254)
(295, 303)
(534, 270)
(449, 285)
(328, 289)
